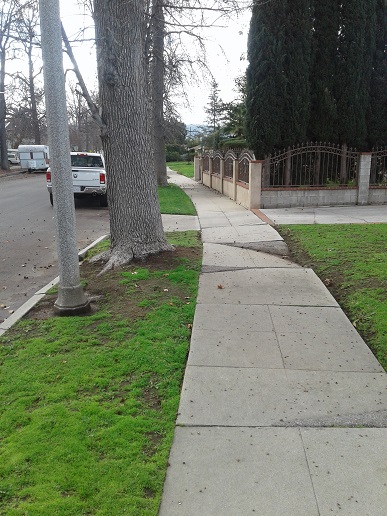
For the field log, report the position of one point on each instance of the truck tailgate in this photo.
(86, 177)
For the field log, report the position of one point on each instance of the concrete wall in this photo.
(206, 179)
(377, 195)
(242, 195)
(228, 188)
(300, 197)
(216, 182)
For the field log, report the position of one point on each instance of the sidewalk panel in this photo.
(228, 396)
(240, 234)
(236, 317)
(348, 468)
(269, 286)
(219, 255)
(318, 351)
(235, 348)
(238, 471)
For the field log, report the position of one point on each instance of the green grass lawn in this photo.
(182, 167)
(88, 404)
(174, 201)
(352, 260)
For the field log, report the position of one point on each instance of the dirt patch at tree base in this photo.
(123, 296)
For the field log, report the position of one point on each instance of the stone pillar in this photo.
(197, 174)
(363, 178)
(255, 182)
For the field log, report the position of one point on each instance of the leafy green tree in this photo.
(355, 51)
(266, 83)
(235, 111)
(215, 112)
(323, 120)
(296, 69)
(377, 116)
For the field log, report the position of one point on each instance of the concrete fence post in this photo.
(221, 171)
(197, 171)
(210, 165)
(255, 182)
(363, 179)
(234, 178)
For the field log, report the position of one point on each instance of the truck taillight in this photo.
(48, 176)
(102, 178)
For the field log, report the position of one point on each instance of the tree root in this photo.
(101, 257)
(118, 257)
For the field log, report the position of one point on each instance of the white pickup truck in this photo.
(89, 176)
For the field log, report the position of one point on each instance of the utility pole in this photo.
(71, 298)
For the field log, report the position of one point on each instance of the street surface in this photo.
(28, 254)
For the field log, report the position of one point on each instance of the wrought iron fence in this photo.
(311, 164)
(378, 173)
(206, 163)
(218, 156)
(229, 159)
(243, 166)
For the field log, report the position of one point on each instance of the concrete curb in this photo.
(28, 305)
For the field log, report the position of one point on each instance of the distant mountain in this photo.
(195, 129)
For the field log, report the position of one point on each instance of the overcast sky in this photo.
(226, 56)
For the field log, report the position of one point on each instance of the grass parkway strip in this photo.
(351, 259)
(88, 404)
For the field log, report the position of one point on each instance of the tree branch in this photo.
(85, 93)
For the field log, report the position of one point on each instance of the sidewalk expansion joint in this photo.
(212, 269)
(353, 421)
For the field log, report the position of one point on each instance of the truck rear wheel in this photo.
(103, 202)
(51, 199)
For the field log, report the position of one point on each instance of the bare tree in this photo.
(9, 11)
(27, 30)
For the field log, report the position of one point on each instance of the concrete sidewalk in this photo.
(328, 215)
(283, 407)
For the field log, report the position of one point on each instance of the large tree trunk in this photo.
(135, 219)
(157, 84)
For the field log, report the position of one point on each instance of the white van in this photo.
(13, 157)
(34, 157)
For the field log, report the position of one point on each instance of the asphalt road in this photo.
(28, 254)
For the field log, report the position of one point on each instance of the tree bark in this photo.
(135, 219)
(157, 84)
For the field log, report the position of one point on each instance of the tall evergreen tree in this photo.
(355, 50)
(265, 87)
(377, 116)
(297, 64)
(323, 117)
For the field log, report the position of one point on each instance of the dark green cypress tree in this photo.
(355, 50)
(323, 115)
(377, 117)
(297, 65)
(265, 80)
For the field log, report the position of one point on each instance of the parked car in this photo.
(13, 157)
(89, 176)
